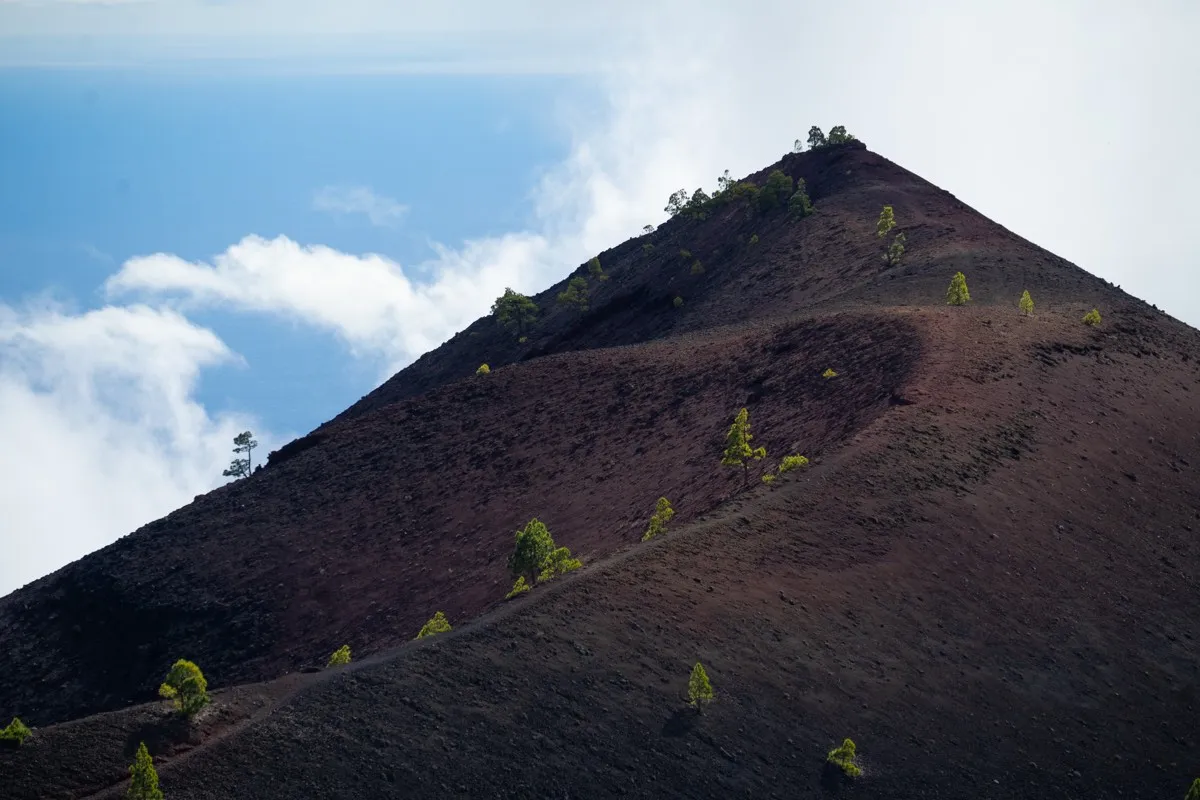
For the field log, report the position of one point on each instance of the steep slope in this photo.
(988, 575)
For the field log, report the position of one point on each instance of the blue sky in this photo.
(220, 215)
(102, 166)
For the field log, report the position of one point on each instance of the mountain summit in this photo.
(987, 575)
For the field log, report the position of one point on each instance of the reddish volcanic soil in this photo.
(989, 577)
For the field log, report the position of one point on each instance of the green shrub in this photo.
(799, 204)
(522, 340)
(686, 255)
(186, 687)
(768, 478)
(595, 270)
(700, 690)
(576, 293)
(895, 250)
(790, 463)
(484, 369)
(775, 191)
(815, 138)
(659, 519)
(340, 657)
(647, 248)
(1194, 792)
(1091, 318)
(737, 451)
(1026, 303)
(144, 785)
(887, 221)
(677, 302)
(520, 587)
(843, 757)
(754, 239)
(829, 373)
(697, 268)
(956, 293)
(515, 311)
(558, 563)
(437, 624)
(16, 731)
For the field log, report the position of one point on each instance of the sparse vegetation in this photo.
(240, 467)
(790, 463)
(829, 373)
(576, 294)
(186, 687)
(560, 562)
(686, 255)
(1026, 303)
(515, 311)
(520, 587)
(145, 779)
(647, 248)
(838, 135)
(754, 239)
(659, 519)
(843, 757)
(777, 190)
(484, 369)
(339, 658)
(956, 293)
(700, 691)
(677, 302)
(738, 452)
(537, 556)
(697, 268)
(595, 270)
(1194, 792)
(437, 624)
(768, 478)
(16, 732)
(1092, 318)
(799, 204)
(895, 250)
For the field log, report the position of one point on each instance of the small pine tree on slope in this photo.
(1026, 303)
(699, 689)
(145, 779)
(956, 293)
(737, 451)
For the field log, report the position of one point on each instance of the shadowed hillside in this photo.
(988, 577)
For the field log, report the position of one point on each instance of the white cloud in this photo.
(101, 432)
(381, 211)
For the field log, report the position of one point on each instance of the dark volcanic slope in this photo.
(989, 578)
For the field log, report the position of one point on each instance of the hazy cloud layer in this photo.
(1066, 122)
(101, 432)
(381, 211)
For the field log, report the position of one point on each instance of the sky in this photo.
(221, 215)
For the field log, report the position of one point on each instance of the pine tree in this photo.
(1026, 303)
(699, 689)
(595, 270)
(1194, 792)
(515, 311)
(838, 135)
(16, 731)
(186, 687)
(340, 657)
(484, 369)
(520, 587)
(957, 294)
(799, 205)
(887, 221)
(240, 467)
(737, 445)
(659, 519)
(438, 624)
(815, 138)
(576, 293)
(145, 780)
(844, 757)
(559, 562)
(895, 250)
(534, 546)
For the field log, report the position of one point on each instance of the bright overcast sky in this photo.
(1071, 123)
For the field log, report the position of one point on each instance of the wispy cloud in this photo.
(380, 210)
